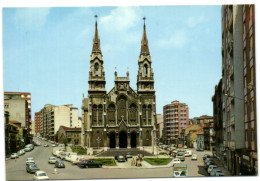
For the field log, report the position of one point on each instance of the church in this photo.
(122, 117)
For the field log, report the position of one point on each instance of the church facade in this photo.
(120, 118)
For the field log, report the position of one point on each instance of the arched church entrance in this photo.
(133, 140)
(122, 139)
(112, 140)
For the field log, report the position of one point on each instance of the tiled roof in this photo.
(15, 122)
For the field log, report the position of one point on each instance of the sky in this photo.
(46, 51)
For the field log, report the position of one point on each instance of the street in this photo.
(16, 168)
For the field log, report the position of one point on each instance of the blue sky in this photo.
(46, 51)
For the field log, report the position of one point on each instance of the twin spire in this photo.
(144, 43)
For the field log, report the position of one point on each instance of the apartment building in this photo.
(37, 122)
(238, 88)
(18, 105)
(176, 118)
(159, 118)
(52, 117)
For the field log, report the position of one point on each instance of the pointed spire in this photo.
(96, 41)
(144, 46)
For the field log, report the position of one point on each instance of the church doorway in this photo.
(133, 140)
(122, 139)
(112, 140)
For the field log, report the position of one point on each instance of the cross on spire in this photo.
(96, 16)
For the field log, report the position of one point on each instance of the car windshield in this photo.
(33, 167)
(42, 174)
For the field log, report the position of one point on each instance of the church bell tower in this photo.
(97, 80)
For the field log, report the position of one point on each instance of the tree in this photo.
(65, 141)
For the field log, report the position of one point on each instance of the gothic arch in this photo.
(144, 114)
(111, 113)
(94, 114)
(145, 69)
(133, 142)
(112, 139)
(149, 114)
(121, 107)
(96, 67)
(133, 114)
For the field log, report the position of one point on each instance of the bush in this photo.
(158, 161)
(107, 161)
(79, 150)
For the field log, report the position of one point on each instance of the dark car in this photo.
(206, 156)
(121, 158)
(207, 164)
(31, 168)
(89, 164)
(59, 164)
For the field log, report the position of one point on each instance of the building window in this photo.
(252, 135)
(244, 57)
(96, 68)
(252, 106)
(145, 69)
(245, 108)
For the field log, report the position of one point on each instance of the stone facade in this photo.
(121, 118)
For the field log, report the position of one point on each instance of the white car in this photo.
(52, 160)
(14, 155)
(30, 160)
(194, 157)
(176, 160)
(211, 167)
(216, 172)
(40, 175)
(53, 145)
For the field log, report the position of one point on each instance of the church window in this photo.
(94, 114)
(100, 113)
(111, 113)
(121, 104)
(149, 114)
(132, 114)
(147, 135)
(96, 68)
(145, 69)
(144, 113)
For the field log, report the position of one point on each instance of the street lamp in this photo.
(235, 97)
(98, 141)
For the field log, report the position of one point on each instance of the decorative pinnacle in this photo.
(96, 16)
(144, 18)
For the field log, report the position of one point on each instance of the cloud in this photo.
(177, 40)
(194, 21)
(121, 18)
(30, 18)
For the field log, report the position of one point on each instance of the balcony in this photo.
(232, 145)
(232, 121)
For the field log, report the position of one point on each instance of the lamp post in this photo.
(98, 141)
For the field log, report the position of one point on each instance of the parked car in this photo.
(27, 149)
(45, 145)
(180, 170)
(52, 160)
(59, 164)
(90, 163)
(210, 168)
(216, 172)
(181, 156)
(77, 160)
(208, 160)
(188, 153)
(205, 156)
(14, 155)
(62, 156)
(29, 160)
(21, 152)
(120, 158)
(40, 175)
(176, 160)
(129, 155)
(208, 164)
(53, 145)
(31, 168)
(194, 157)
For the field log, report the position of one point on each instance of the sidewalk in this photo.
(221, 167)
